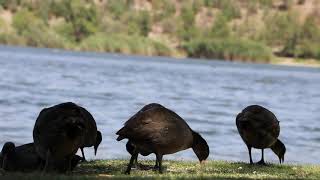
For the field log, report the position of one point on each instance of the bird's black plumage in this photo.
(156, 129)
(92, 137)
(129, 146)
(24, 158)
(58, 133)
(259, 128)
(20, 158)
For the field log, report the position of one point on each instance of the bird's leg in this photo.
(83, 157)
(249, 149)
(135, 162)
(4, 162)
(159, 159)
(261, 162)
(69, 169)
(156, 166)
(133, 157)
(41, 164)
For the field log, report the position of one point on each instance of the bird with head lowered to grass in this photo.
(160, 131)
(259, 128)
(92, 137)
(58, 134)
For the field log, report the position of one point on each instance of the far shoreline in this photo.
(280, 61)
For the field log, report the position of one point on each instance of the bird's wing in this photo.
(143, 126)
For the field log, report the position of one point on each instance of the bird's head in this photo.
(279, 149)
(200, 147)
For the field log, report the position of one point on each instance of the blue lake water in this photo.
(207, 94)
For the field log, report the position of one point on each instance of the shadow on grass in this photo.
(103, 169)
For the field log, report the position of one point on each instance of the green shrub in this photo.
(121, 43)
(81, 14)
(187, 16)
(162, 9)
(11, 39)
(118, 7)
(280, 27)
(188, 33)
(24, 20)
(308, 50)
(61, 8)
(187, 29)
(143, 21)
(41, 8)
(230, 48)
(297, 40)
(220, 27)
(230, 8)
(64, 29)
(3, 25)
(309, 42)
(34, 31)
(136, 23)
(311, 30)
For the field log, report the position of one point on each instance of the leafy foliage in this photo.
(230, 49)
(228, 29)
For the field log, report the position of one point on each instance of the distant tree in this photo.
(81, 14)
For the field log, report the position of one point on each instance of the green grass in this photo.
(104, 169)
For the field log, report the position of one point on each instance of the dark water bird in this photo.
(20, 158)
(161, 131)
(130, 146)
(92, 137)
(24, 158)
(58, 133)
(259, 128)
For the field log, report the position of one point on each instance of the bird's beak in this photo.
(281, 159)
(95, 150)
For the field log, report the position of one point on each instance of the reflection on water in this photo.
(207, 94)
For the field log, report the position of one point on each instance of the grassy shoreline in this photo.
(104, 169)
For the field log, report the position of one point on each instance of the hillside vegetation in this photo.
(247, 30)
